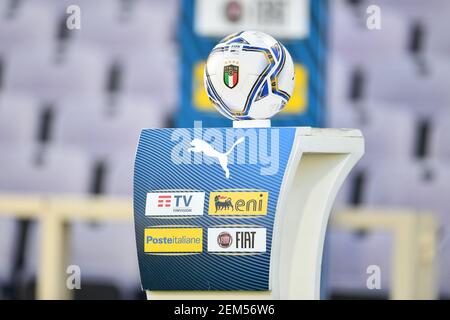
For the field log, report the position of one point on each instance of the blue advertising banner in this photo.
(205, 201)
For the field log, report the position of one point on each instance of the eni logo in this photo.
(238, 203)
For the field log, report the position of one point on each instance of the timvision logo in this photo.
(174, 203)
(234, 203)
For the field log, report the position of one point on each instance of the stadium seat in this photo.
(426, 181)
(389, 130)
(152, 76)
(119, 177)
(417, 9)
(433, 20)
(374, 119)
(351, 192)
(100, 253)
(432, 16)
(26, 169)
(18, 120)
(401, 82)
(38, 73)
(106, 252)
(104, 131)
(440, 137)
(342, 271)
(88, 5)
(351, 253)
(352, 39)
(434, 189)
(361, 249)
(7, 234)
(405, 178)
(437, 41)
(443, 255)
(339, 77)
(19, 31)
(117, 32)
(421, 187)
(340, 98)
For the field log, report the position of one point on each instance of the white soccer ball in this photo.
(249, 75)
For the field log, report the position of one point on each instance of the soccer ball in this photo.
(249, 75)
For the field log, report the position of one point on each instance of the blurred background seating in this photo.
(392, 83)
(72, 104)
(78, 99)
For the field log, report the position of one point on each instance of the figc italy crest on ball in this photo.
(249, 75)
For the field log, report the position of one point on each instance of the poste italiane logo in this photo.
(174, 203)
(233, 203)
(173, 240)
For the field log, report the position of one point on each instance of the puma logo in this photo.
(198, 145)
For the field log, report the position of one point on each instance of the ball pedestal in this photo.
(319, 162)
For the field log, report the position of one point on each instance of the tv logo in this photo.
(237, 240)
(175, 203)
(164, 201)
(243, 203)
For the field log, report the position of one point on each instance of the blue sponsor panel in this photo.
(204, 204)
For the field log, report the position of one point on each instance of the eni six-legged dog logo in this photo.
(223, 203)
